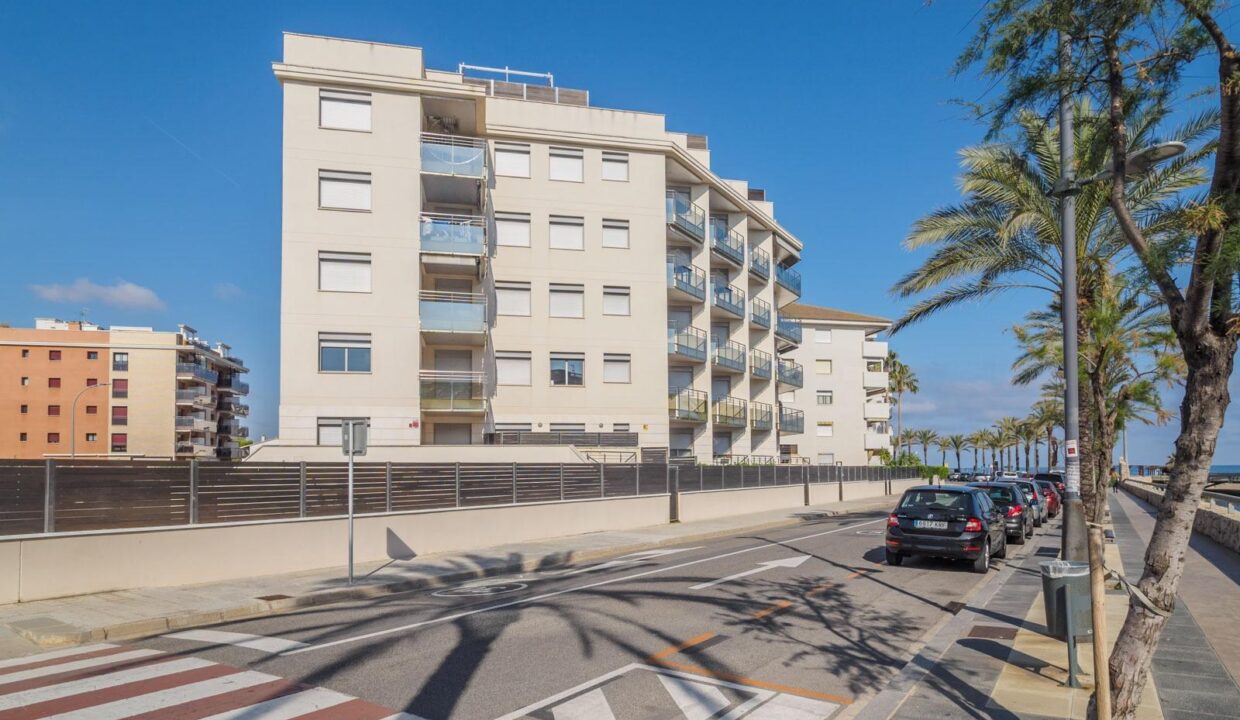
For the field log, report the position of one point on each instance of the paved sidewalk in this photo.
(151, 611)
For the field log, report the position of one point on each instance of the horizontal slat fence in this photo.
(79, 495)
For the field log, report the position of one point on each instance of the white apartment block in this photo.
(469, 259)
(845, 395)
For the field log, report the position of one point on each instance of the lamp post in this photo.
(73, 417)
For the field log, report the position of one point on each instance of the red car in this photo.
(1047, 488)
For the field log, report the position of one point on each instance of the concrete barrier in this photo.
(1216, 524)
(710, 504)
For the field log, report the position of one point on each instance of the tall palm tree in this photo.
(977, 441)
(1030, 435)
(926, 438)
(1046, 416)
(900, 379)
(956, 443)
(1008, 436)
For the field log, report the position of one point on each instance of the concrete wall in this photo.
(280, 451)
(1212, 523)
(724, 503)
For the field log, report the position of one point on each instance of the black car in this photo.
(1017, 513)
(951, 521)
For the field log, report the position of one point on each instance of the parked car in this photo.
(1005, 475)
(1055, 478)
(1035, 498)
(1017, 512)
(951, 521)
(981, 477)
(1053, 501)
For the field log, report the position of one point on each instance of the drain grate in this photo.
(269, 598)
(992, 632)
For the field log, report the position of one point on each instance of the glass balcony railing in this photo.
(453, 234)
(197, 372)
(728, 355)
(198, 395)
(730, 298)
(760, 262)
(235, 385)
(454, 155)
(729, 411)
(791, 420)
(448, 391)
(760, 312)
(791, 373)
(788, 329)
(688, 279)
(686, 404)
(686, 217)
(452, 312)
(727, 243)
(789, 278)
(760, 417)
(236, 408)
(760, 364)
(687, 342)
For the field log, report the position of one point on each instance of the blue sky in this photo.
(141, 143)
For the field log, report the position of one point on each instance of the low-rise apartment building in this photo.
(845, 396)
(82, 390)
(477, 256)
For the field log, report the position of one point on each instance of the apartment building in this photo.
(79, 389)
(845, 396)
(474, 256)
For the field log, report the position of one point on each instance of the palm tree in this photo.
(900, 379)
(1030, 434)
(989, 441)
(926, 438)
(1046, 416)
(956, 443)
(977, 441)
(1008, 435)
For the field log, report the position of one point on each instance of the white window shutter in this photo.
(512, 232)
(567, 236)
(344, 110)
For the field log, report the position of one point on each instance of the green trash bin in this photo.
(1065, 585)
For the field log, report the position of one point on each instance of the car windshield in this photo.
(1029, 489)
(935, 500)
(1000, 494)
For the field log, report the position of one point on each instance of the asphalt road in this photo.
(787, 624)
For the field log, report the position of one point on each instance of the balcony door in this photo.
(720, 387)
(719, 225)
(454, 360)
(453, 434)
(721, 443)
(679, 257)
(679, 378)
(719, 333)
(454, 285)
(679, 317)
(680, 442)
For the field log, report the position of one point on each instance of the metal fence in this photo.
(72, 496)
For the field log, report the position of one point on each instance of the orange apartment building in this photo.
(80, 389)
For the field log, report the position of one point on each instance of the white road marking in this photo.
(697, 700)
(630, 559)
(166, 698)
(557, 593)
(20, 675)
(792, 707)
(253, 642)
(287, 706)
(68, 652)
(791, 562)
(591, 706)
(99, 682)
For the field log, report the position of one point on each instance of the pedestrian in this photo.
(1114, 481)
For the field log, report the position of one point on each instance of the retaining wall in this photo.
(1214, 524)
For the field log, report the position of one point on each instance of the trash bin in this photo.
(1065, 584)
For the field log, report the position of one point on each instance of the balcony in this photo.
(454, 155)
(687, 343)
(729, 300)
(728, 356)
(788, 329)
(788, 279)
(790, 374)
(760, 364)
(235, 386)
(791, 420)
(196, 372)
(233, 407)
(197, 447)
(877, 411)
(873, 380)
(877, 440)
(459, 392)
(452, 244)
(199, 396)
(685, 219)
(453, 318)
(760, 313)
(760, 417)
(759, 263)
(727, 244)
(729, 412)
(874, 349)
(686, 405)
(685, 282)
(191, 423)
(234, 429)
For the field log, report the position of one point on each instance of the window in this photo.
(341, 110)
(92, 409)
(616, 166)
(120, 442)
(25, 352)
(874, 365)
(92, 355)
(53, 410)
(822, 336)
(53, 354)
(512, 159)
(567, 233)
(616, 368)
(512, 298)
(615, 300)
(512, 229)
(620, 427)
(340, 190)
(344, 352)
(120, 361)
(92, 437)
(53, 438)
(22, 437)
(512, 368)
(120, 415)
(616, 234)
(565, 164)
(25, 380)
(822, 367)
(344, 272)
(567, 301)
(120, 388)
(567, 368)
(53, 382)
(568, 427)
(826, 397)
(25, 409)
(826, 458)
(91, 382)
(513, 427)
(330, 432)
(826, 428)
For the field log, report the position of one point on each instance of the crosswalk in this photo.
(110, 682)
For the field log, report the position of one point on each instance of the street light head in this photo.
(1140, 162)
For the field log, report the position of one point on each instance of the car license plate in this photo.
(930, 524)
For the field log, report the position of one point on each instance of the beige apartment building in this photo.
(78, 389)
(845, 396)
(472, 256)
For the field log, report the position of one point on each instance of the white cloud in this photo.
(228, 291)
(122, 294)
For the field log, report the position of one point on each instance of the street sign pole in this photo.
(353, 437)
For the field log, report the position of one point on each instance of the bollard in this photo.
(674, 498)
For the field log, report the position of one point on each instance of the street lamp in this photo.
(73, 418)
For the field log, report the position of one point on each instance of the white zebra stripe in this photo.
(114, 658)
(67, 652)
(288, 706)
(99, 682)
(167, 698)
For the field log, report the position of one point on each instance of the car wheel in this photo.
(894, 558)
(982, 563)
(1029, 530)
(1002, 548)
(1019, 537)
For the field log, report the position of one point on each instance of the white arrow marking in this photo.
(590, 706)
(696, 700)
(629, 559)
(791, 562)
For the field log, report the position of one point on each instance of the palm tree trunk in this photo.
(957, 458)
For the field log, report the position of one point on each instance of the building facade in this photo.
(468, 259)
(79, 389)
(846, 393)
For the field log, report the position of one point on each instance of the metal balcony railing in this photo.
(791, 373)
(687, 342)
(760, 312)
(760, 262)
(197, 395)
(688, 279)
(235, 386)
(686, 404)
(686, 217)
(791, 420)
(788, 329)
(760, 416)
(449, 391)
(454, 155)
(198, 372)
(453, 234)
(729, 298)
(727, 243)
(452, 312)
(789, 278)
(235, 408)
(729, 411)
(728, 355)
(760, 364)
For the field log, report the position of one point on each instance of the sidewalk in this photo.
(29, 627)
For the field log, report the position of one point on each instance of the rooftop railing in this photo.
(454, 155)
(686, 217)
(453, 234)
